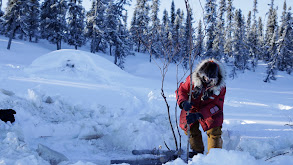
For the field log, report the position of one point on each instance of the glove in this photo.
(193, 117)
(186, 105)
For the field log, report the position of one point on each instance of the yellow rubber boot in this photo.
(214, 138)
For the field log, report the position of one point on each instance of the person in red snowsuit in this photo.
(206, 106)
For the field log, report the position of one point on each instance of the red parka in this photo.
(212, 108)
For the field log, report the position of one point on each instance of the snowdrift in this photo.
(79, 65)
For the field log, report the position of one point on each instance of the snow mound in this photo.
(75, 64)
(232, 157)
(221, 156)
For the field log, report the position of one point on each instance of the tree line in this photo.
(224, 33)
(103, 26)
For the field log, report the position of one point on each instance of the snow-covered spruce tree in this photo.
(178, 35)
(10, 21)
(133, 30)
(116, 29)
(126, 33)
(172, 14)
(94, 30)
(283, 19)
(166, 34)
(270, 36)
(145, 35)
(13, 19)
(253, 39)
(125, 44)
(272, 65)
(210, 22)
(239, 42)
(186, 49)
(272, 46)
(176, 28)
(174, 32)
(165, 19)
(76, 23)
(229, 30)
(290, 45)
(53, 21)
(155, 44)
(1, 19)
(32, 20)
(280, 61)
(248, 24)
(260, 34)
(285, 42)
(249, 35)
(122, 46)
(218, 43)
(254, 11)
(89, 29)
(139, 25)
(45, 17)
(199, 40)
(111, 25)
(1, 12)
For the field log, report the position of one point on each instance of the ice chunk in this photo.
(50, 155)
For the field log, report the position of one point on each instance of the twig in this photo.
(166, 146)
(169, 116)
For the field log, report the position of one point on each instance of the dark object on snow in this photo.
(169, 153)
(49, 100)
(158, 157)
(153, 152)
(143, 161)
(7, 92)
(7, 115)
(70, 64)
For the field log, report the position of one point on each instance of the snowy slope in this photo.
(86, 108)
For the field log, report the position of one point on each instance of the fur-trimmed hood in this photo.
(196, 80)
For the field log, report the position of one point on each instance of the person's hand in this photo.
(186, 106)
(193, 117)
(196, 92)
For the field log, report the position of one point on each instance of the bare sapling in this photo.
(163, 63)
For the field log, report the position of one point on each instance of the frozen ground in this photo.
(84, 107)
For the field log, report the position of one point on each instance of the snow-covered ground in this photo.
(84, 107)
